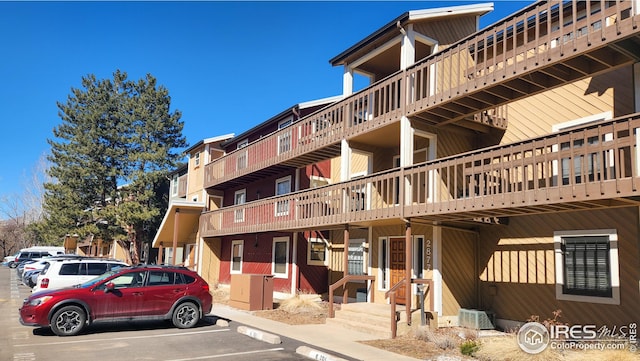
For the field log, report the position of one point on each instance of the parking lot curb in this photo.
(317, 355)
(259, 335)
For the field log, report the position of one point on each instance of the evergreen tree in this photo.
(117, 140)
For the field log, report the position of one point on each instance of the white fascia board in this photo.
(452, 10)
(219, 138)
(316, 102)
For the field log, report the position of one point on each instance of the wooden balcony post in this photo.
(345, 265)
(176, 224)
(408, 250)
(159, 260)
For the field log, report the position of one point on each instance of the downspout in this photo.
(294, 265)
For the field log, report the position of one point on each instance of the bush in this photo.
(469, 347)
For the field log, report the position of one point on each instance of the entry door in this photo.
(397, 266)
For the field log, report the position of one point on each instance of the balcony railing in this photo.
(588, 167)
(552, 43)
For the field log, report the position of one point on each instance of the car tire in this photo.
(186, 315)
(12, 264)
(68, 321)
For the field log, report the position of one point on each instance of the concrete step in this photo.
(383, 332)
(370, 318)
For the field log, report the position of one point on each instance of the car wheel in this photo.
(68, 321)
(186, 315)
(12, 265)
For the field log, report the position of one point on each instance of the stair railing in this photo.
(345, 296)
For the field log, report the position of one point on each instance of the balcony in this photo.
(543, 46)
(595, 166)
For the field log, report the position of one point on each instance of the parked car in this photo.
(60, 273)
(140, 292)
(29, 255)
(29, 278)
(8, 260)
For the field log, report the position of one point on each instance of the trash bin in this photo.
(251, 292)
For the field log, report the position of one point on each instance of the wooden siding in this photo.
(448, 30)
(256, 257)
(517, 267)
(311, 278)
(458, 271)
(210, 267)
(535, 115)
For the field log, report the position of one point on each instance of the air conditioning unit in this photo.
(479, 320)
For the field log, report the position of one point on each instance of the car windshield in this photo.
(99, 278)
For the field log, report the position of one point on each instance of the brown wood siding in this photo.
(458, 271)
(449, 30)
(517, 267)
(336, 260)
(210, 267)
(535, 115)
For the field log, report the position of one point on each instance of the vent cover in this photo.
(479, 320)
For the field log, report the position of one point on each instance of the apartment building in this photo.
(498, 167)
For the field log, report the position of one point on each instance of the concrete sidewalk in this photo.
(328, 337)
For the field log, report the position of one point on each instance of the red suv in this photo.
(130, 293)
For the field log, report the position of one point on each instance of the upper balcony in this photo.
(543, 46)
(595, 166)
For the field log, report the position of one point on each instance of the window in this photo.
(174, 185)
(236, 256)
(161, 278)
(196, 159)
(241, 156)
(587, 166)
(280, 257)
(284, 137)
(383, 266)
(96, 269)
(418, 256)
(356, 257)
(240, 198)
(283, 186)
(587, 266)
(317, 252)
(316, 181)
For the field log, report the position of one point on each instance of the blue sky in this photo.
(227, 65)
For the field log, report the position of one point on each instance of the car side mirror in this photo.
(109, 287)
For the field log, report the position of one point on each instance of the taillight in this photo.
(205, 287)
(44, 283)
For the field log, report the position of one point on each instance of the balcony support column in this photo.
(159, 260)
(406, 153)
(408, 251)
(345, 160)
(176, 224)
(345, 264)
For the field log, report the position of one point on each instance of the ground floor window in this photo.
(587, 266)
(317, 252)
(356, 257)
(236, 256)
(280, 257)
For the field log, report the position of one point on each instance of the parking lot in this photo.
(129, 340)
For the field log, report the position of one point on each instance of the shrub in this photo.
(469, 347)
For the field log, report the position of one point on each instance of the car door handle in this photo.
(136, 293)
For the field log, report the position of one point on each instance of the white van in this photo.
(34, 253)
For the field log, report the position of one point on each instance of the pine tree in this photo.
(117, 141)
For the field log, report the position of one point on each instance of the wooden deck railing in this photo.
(584, 167)
(345, 297)
(473, 76)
